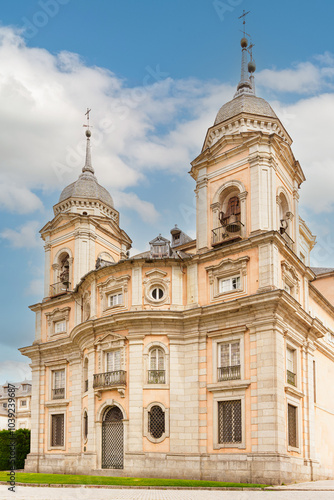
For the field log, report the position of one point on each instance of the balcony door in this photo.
(112, 439)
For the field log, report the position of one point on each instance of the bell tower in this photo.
(247, 178)
(84, 232)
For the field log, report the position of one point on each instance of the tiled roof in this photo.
(322, 270)
(244, 104)
(87, 187)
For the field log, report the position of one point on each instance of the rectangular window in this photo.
(23, 403)
(229, 284)
(113, 361)
(57, 430)
(292, 426)
(229, 421)
(60, 326)
(58, 389)
(229, 361)
(115, 299)
(290, 366)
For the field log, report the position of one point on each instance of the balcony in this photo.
(230, 229)
(228, 373)
(156, 377)
(109, 379)
(59, 288)
(58, 393)
(289, 241)
(291, 378)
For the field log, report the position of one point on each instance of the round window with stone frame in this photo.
(157, 292)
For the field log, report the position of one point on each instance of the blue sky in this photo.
(155, 74)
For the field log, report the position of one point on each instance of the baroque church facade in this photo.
(208, 358)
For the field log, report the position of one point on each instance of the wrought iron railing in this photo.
(291, 377)
(59, 288)
(58, 393)
(109, 379)
(86, 385)
(156, 377)
(288, 240)
(221, 234)
(228, 373)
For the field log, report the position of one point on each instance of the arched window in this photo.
(229, 212)
(156, 373)
(64, 268)
(284, 218)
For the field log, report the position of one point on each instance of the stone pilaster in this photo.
(135, 435)
(75, 410)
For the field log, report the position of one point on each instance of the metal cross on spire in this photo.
(87, 114)
(243, 15)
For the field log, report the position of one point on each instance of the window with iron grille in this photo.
(57, 430)
(292, 426)
(156, 422)
(85, 425)
(229, 361)
(229, 421)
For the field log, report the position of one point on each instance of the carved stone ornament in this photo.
(156, 278)
(114, 285)
(226, 269)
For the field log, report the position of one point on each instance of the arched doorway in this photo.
(112, 439)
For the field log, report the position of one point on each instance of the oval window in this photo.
(157, 293)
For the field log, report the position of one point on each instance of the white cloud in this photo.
(18, 199)
(309, 122)
(24, 237)
(14, 371)
(303, 78)
(145, 209)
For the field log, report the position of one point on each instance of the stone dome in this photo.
(244, 104)
(87, 187)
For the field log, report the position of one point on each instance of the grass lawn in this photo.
(22, 477)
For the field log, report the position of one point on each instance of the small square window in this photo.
(115, 299)
(60, 326)
(23, 402)
(229, 284)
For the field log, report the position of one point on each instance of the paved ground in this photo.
(307, 491)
